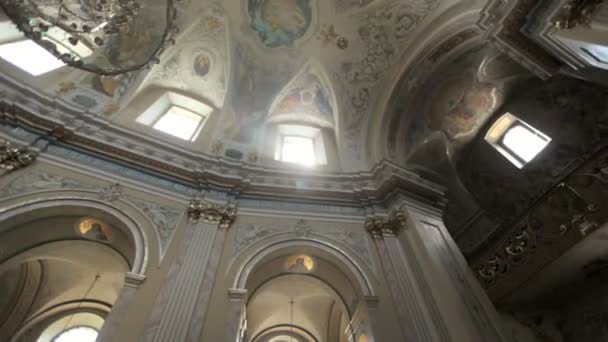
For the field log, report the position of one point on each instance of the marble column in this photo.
(416, 311)
(120, 307)
(181, 308)
(234, 318)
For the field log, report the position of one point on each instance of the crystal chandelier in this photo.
(106, 37)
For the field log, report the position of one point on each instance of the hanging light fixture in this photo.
(106, 37)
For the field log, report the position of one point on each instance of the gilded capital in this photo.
(13, 157)
(374, 226)
(222, 215)
(386, 226)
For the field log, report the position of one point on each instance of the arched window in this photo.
(73, 327)
(77, 334)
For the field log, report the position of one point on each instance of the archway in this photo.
(301, 289)
(62, 267)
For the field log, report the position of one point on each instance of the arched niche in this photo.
(61, 285)
(63, 268)
(260, 252)
(336, 277)
(129, 221)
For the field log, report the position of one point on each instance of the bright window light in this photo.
(30, 57)
(516, 140)
(77, 334)
(179, 122)
(298, 150)
(524, 142)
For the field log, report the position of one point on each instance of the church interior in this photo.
(304, 170)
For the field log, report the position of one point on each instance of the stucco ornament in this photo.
(202, 210)
(111, 193)
(386, 226)
(13, 157)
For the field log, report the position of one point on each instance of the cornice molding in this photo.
(209, 212)
(504, 22)
(97, 136)
(577, 13)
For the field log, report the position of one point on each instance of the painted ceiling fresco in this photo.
(326, 62)
(280, 22)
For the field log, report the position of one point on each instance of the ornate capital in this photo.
(380, 226)
(13, 157)
(209, 212)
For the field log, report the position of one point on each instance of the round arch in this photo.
(293, 331)
(261, 252)
(22, 210)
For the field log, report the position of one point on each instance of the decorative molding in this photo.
(551, 17)
(504, 22)
(220, 174)
(32, 181)
(351, 236)
(13, 157)
(202, 210)
(164, 218)
(576, 13)
(134, 279)
(111, 192)
(237, 294)
(386, 226)
(572, 210)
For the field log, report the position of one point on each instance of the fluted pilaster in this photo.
(180, 312)
(415, 310)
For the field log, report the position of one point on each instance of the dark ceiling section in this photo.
(572, 112)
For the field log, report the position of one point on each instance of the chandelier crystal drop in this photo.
(106, 37)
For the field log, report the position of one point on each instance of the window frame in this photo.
(312, 146)
(496, 134)
(161, 107)
(315, 134)
(194, 134)
(10, 34)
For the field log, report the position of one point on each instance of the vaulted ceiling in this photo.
(257, 59)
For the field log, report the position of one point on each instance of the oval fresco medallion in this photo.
(202, 64)
(280, 22)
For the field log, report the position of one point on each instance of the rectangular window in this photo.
(517, 141)
(298, 150)
(30, 57)
(179, 122)
(524, 142)
(300, 144)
